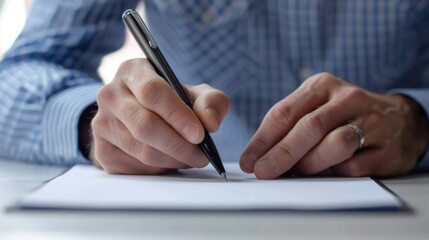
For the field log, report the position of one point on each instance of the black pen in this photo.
(146, 42)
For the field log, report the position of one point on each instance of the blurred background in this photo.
(13, 14)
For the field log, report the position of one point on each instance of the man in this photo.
(365, 115)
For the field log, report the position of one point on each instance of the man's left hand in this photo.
(317, 127)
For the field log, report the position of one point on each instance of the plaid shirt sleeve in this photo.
(49, 77)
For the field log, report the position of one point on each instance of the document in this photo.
(87, 187)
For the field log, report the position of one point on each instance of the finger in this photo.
(369, 162)
(210, 105)
(146, 154)
(376, 161)
(305, 135)
(284, 115)
(154, 93)
(113, 160)
(133, 133)
(338, 146)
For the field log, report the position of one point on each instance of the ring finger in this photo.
(338, 146)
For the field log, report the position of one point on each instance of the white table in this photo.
(17, 179)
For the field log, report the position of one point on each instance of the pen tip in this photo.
(224, 176)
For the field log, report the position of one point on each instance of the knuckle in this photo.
(149, 91)
(175, 114)
(153, 159)
(124, 68)
(284, 152)
(101, 124)
(177, 149)
(129, 108)
(127, 66)
(143, 125)
(313, 125)
(106, 96)
(182, 151)
(130, 146)
(352, 94)
(322, 79)
(148, 156)
(376, 120)
(261, 143)
(98, 123)
(324, 76)
(282, 115)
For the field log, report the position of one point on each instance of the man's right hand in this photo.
(143, 127)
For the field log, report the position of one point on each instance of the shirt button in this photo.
(208, 16)
(305, 73)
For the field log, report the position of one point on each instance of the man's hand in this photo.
(307, 132)
(143, 127)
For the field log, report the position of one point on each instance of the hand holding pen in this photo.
(143, 127)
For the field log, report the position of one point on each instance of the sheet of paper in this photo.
(86, 187)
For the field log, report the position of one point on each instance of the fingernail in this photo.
(191, 133)
(248, 159)
(267, 168)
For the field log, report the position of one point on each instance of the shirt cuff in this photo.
(60, 123)
(421, 96)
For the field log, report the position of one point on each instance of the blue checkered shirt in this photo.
(256, 51)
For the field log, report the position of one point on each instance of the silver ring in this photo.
(360, 134)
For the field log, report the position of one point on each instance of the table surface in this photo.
(18, 179)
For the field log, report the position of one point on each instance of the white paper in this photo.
(86, 187)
